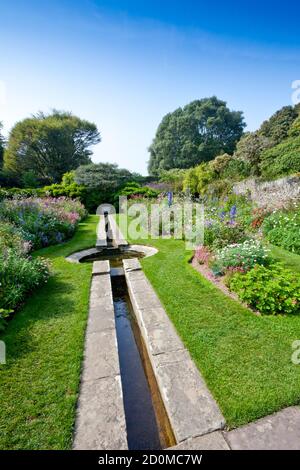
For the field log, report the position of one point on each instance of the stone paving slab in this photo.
(280, 431)
(101, 355)
(100, 318)
(144, 300)
(132, 264)
(162, 338)
(212, 441)
(100, 423)
(101, 288)
(191, 408)
(101, 267)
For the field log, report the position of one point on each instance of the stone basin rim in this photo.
(78, 256)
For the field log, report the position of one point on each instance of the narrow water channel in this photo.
(142, 429)
(147, 424)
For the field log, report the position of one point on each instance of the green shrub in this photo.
(12, 237)
(283, 159)
(19, 275)
(295, 129)
(72, 191)
(270, 290)
(220, 234)
(133, 189)
(10, 193)
(244, 255)
(283, 229)
(198, 178)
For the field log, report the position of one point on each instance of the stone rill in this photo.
(191, 409)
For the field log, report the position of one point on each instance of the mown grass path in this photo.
(44, 341)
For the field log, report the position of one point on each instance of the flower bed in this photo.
(234, 252)
(45, 221)
(282, 228)
(271, 290)
(27, 224)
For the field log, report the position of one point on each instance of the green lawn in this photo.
(245, 359)
(44, 341)
(291, 260)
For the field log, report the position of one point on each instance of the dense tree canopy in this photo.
(103, 176)
(196, 133)
(50, 145)
(256, 148)
(102, 181)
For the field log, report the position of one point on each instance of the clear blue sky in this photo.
(124, 64)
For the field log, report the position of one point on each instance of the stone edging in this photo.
(100, 418)
(191, 409)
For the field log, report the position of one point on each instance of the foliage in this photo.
(10, 193)
(197, 179)
(295, 128)
(282, 228)
(196, 133)
(203, 254)
(13, 237)
(283, 159)
(103, 176)
(249, 150)
(218, 234)
(102, 181)
(226, 221)
(271, 290)
(277, 128)
(43, 221)
(174, 177)
(19, 275)
(258, 216)
(72, 191)
(44, 345)
(132, 189)
(49, 145)
(244, 255)
(237, 371)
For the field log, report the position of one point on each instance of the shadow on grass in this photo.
(51, 302)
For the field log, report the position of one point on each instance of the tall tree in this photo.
(50, 145)
(196, 133)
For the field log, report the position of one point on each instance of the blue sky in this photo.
(124, 64)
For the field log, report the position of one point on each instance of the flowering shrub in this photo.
(26, 224)
(258, 216)
(12, 237)
(242, 255)
(283, 229)
(226, 221)
(43, 221)
(19, 275)
(270, 290)
(218, 234)
(202, 254)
